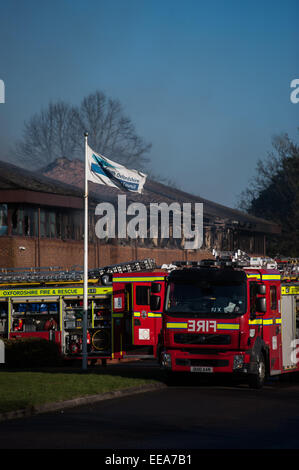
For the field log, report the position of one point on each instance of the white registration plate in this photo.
(202, 369)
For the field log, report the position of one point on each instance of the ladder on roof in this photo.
(54, 274)
(288, 267)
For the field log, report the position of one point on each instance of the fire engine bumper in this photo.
(222, 362)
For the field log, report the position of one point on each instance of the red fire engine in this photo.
(232, 316)
(235, 315)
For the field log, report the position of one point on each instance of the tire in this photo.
(258, 379)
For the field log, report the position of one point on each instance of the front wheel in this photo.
(258, 379)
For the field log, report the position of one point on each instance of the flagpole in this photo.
(85, 276)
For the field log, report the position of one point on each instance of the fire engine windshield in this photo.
(209, 297)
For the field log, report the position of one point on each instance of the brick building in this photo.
(41, 221)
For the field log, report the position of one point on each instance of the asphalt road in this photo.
(193, 415)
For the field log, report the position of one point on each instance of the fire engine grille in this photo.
(185, 338)
(202, 362)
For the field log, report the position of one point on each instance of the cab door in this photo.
(133, 298)
(144, 322)
(137, 316)
(273, 326)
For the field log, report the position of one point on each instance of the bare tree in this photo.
(110, 132)
(48, 135)
(58, 132)
(274, 194)
(267, 169)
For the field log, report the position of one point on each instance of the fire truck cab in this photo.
(225, 318)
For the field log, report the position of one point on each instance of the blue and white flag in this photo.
(101, 170)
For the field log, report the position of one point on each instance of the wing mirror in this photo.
(261, 290)
(155, 302)
(155, 287)
(261, 305)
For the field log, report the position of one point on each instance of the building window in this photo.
(43, 223)
(30, 227)
(29, 221)
(48, 224)
(52, 224)
(17, 219)
(3, 219)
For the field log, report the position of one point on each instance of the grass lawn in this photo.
(19, 390)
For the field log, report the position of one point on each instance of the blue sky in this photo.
(207, 83)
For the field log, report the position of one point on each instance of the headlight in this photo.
(166, 360)
(238, 362)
